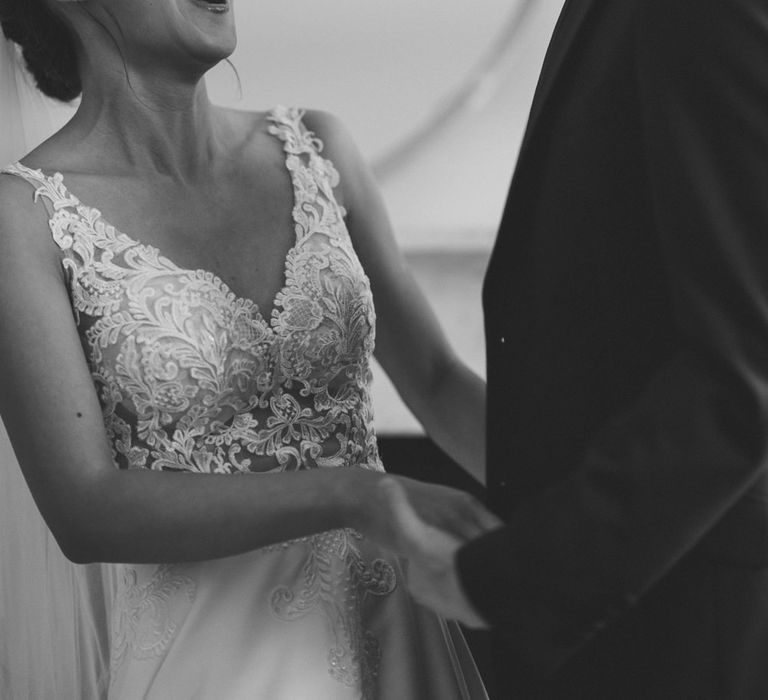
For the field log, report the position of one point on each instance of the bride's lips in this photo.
(215, 6)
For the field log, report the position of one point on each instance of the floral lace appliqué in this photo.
(335, 564)
(146, 616)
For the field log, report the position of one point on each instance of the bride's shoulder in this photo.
(331, 136)
(17, 194)
(338, 146)
(325, 126)
(24, 225)
(331, 131)
(20, 181)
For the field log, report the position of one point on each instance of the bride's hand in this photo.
(432, 576)
(449, 510)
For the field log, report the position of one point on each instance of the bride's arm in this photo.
(99, 513)
(443, 393)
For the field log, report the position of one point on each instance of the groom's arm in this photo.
(662, 474)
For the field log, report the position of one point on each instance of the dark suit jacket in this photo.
(627, 331)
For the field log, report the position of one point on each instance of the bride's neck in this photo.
(156, 125)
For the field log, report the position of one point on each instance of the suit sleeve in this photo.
(656, 479)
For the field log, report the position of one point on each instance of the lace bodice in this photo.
(192, 377)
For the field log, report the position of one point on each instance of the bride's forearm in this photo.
(145, 516)
(455, 418)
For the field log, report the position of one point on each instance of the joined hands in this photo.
(427, 524)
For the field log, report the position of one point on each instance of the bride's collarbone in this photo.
(243, 244)
(242, 232)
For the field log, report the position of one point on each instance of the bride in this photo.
(187, 295)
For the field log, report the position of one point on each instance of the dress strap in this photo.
(314, 177)
(288, 126)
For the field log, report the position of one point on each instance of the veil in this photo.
(54, 635)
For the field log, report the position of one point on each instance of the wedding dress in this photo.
(195, 379)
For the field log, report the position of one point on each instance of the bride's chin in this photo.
(213, 26)
(211, 49)
(213, 54)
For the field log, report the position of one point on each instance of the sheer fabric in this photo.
(53, 614)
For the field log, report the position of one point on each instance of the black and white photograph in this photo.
(383, 351)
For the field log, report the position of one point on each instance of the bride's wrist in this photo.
(356, 495)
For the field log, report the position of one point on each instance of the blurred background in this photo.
(436, 93)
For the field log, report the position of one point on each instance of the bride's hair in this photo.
(47, 44)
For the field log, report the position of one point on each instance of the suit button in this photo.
(502, 340)
(503, 484)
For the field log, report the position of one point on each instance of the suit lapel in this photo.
(571, 21)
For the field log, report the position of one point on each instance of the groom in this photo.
(627, 331)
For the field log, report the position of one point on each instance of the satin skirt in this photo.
(323, 618)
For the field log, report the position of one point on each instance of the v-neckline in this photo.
(57, 180)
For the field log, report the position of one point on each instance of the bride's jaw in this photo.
(148, 33)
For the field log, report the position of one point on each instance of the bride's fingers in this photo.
(462, 516)
(465, 527)
(457, 513)
(418, 538)
(410, 526)
(485, 519)
(476, 518)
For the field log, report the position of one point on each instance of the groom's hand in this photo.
(431, 552)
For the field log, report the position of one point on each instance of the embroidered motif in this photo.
(146, 616)
(335, 565)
